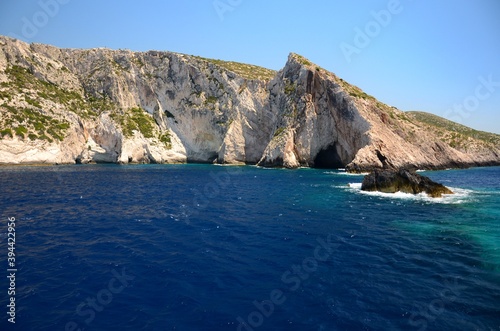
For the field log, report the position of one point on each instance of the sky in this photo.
(439, 56)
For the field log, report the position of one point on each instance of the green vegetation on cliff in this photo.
(453, 133)
(32, 124)
(23, 81)
(302, 60)
(354, 91)
(137, 119)
(247, 71)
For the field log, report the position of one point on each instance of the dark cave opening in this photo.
(328, 158)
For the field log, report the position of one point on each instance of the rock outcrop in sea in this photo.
(402, 180)
(100, 105)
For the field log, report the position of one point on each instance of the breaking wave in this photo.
(460, 195)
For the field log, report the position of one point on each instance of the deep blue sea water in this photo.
(203, 247)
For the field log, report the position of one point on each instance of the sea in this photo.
(244, 248)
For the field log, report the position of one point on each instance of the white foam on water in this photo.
(343, 173)
(460, 195)
(142, 221)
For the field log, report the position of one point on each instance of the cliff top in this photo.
(248, 71)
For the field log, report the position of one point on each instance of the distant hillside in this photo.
(454, 134)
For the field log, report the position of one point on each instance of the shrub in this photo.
(21, 131)
(165, 139)
(136, 119)
(279, 132)
(290, 88)
(6, 132)
(211, 99)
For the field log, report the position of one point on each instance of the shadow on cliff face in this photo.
(202, 159)
(328, 158)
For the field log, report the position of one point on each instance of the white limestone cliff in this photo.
(100, 105)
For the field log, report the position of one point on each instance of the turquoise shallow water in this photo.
(202, 247)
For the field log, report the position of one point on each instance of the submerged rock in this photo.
(403, 180)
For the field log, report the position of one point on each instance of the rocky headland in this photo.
(63, 106)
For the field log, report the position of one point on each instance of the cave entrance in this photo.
(328, 158)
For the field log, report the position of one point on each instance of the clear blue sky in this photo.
(430, 55)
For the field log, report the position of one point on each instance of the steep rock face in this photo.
(100, 105)
(209, 113)
(317, 123)
(212, 113)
